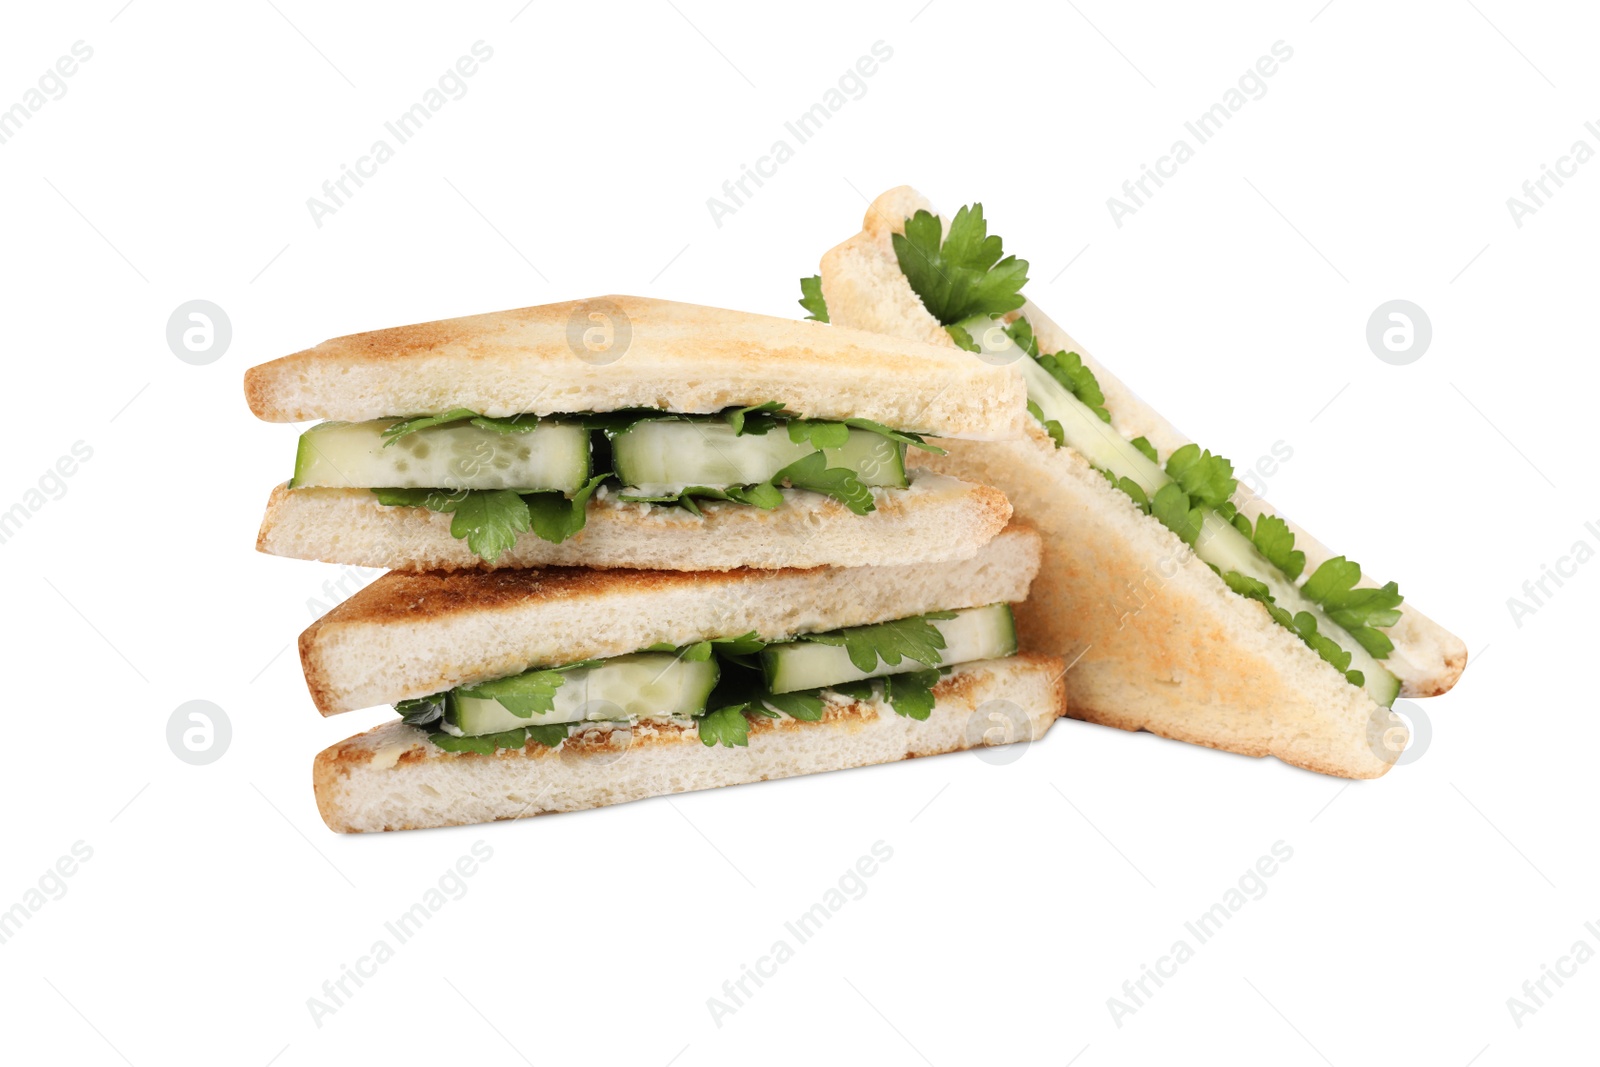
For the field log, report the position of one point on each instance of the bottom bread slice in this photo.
(394, 778)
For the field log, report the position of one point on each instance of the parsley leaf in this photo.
(963, 339)
(523, 695)
(409, 426)
(763, 495)
(806, 707)
(507, 424)
(755, 419)
(422, 710)
(485, 744)
(1068, 369)
(1247, 586)
(1358, 610)
(725, 726)
(1334, 577)
(1021, 332)
(1171, 506)
(915, 638)
(1051, 426)
(549, 736)
(1303, 625)
(529, 693)
(1133, 489)
(811, 298)
(741, 689)
(904, 438)
(554, 517)
(612, 423)
(819, 432)
(1206, 478)
(1274, 540)
(746, 644)
(737, 650)
(489, 519)
(812, 472)
(963, 274)
(911, 694)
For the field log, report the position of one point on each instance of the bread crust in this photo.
(938, 519)
(668, 356)
(409, 635)
(1172, 650)
(393, 778)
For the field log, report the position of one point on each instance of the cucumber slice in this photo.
(353, 455)
(1219, 543)
(636, 686)
(977, 633)
(1225, 548)
(1096, 441)
(661, 456)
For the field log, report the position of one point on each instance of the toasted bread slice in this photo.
(1157, 641)
(615, 352)
(394, 778)
(409, 635)
(938, 519)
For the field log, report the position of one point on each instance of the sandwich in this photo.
(523, 692)
(1185, 605)
(629, 432)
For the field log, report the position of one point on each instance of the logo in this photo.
(199, 332)
(599, 332)
(1399, 332)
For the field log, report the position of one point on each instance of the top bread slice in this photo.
(1160, 642)
(614, 352)
(411, 635)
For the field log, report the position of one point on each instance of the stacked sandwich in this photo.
(1187, 607)
(639, 547)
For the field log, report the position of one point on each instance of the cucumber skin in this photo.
(301, 459)
(500, 719)
(311, 467)
(886, 458)
(773, 657)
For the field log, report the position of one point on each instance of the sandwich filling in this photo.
(499, 477)
(964, 282)
(719, 685)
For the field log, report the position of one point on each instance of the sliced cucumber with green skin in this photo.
(974, 634)
(1219, 544)
(639, 685)
(354, 455)
(1224, 547)
(662, 456)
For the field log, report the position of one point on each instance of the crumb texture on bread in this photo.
(1164, 645)
(393, 778)
(409, 635)
(614, 352)
(937, 519)
(1156, 641)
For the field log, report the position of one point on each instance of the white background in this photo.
(1019, 898)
